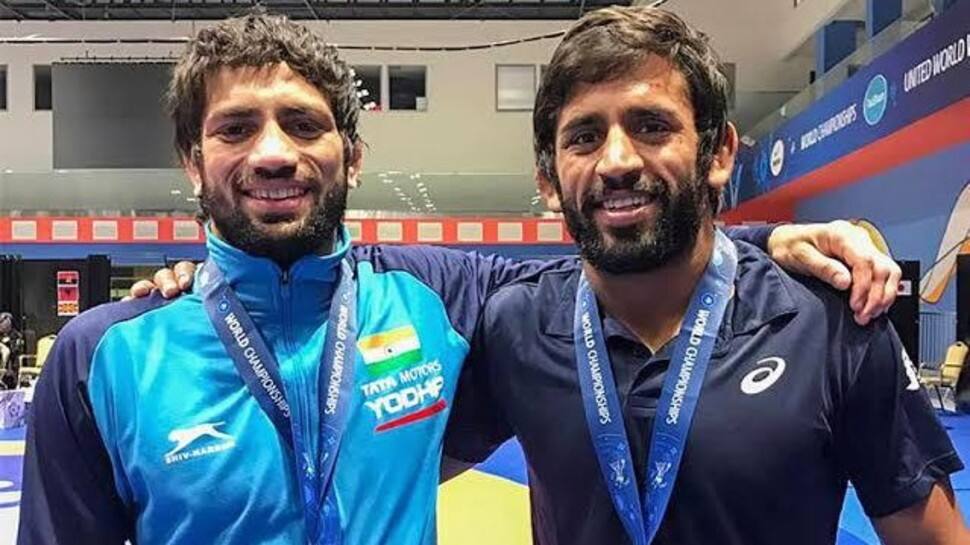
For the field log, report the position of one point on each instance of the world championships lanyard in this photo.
(259, 369)
(641, 516)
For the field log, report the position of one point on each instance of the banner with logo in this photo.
(68, 294)
(922, 74)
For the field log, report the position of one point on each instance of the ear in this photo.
(192, 164)
(548, 191)
(723, 163)
(356, 162)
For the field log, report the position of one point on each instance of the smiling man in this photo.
(300, 393)
(675, 387)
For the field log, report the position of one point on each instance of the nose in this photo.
(620, 163)
(274, 154)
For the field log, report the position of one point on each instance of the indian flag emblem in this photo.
(391, 350)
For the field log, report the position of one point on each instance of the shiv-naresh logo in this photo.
(187, 437)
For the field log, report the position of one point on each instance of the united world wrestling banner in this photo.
(922, 74)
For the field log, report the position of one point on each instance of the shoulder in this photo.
(537, 302)
(540, 288)
(417, 259)
(820, 310)
(77, 342)
(90, 326)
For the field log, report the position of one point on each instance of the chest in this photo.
(765, 409)
(184, 428)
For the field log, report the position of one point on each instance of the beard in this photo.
(642, 247)
(282, 238)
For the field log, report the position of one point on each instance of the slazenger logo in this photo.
(184, 438)
(763, 377)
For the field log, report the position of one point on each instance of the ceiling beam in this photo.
(17, 14)
(309, 6)
(51, 5)
(312, 9)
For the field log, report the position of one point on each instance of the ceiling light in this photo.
(176, 192)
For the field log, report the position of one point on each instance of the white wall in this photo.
(460, 132)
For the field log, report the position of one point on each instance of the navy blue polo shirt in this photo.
(798, 401)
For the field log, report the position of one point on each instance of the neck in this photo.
(652, 304)
(284, 252)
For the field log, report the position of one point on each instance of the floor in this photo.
(490, 504)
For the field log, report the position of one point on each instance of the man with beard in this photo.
(220, 417)
(674, 387)
(300, 393)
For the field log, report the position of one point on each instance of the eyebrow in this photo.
(656, 111)
(302, 110)
(236, 112)
(581, 121)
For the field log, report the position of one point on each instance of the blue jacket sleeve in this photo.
(68, 489)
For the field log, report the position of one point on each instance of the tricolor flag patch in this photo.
(390, 350)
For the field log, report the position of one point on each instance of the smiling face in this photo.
(271, 169)
(626, 156)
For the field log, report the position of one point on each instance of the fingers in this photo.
(861, 285)
(139, 289)
(852, 246)
(827, 269)
(165, 282)
(883, 291)
(184, 271)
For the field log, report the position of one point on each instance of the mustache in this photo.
(247, 178)
(654, 188)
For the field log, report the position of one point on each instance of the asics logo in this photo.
(184, 438)
(763, 377)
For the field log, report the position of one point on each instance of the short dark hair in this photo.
(605, 45)
(258, 39)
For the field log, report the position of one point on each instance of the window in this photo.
(42, 87)
(3, 87)
(408, 87)
(368, 80)
(515, 87)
